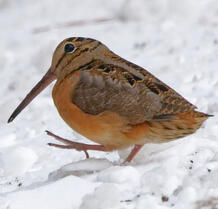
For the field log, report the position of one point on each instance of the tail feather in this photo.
(169, 128)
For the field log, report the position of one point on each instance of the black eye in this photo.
(68, 48)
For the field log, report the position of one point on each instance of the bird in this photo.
(111, 101)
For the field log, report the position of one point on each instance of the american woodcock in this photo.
(112, 101)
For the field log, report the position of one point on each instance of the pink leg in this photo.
(133, 153)
(75, 145)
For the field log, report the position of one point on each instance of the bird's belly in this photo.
(106, 128)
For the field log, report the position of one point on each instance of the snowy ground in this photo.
(176, 40)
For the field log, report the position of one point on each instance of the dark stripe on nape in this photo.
(80, 39)
(161, 87)
(95, 47)
(71, 39)
(85, 65)
(85, 50)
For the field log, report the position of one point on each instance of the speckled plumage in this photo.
(110, 87)
(113, 101)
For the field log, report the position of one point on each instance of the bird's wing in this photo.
(107, 87)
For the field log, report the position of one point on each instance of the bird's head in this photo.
(70, 55)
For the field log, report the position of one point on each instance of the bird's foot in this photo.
(132, 154)
(85, 147)
(75, 145)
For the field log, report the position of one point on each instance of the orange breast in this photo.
(107, 128)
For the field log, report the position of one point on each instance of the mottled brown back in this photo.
(105, 87)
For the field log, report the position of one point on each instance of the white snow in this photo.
(48, 195)
(177, 41)
(21, 158)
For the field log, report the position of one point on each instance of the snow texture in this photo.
(177, 41)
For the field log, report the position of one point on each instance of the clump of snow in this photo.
(106, 196)
(8, 138)
(120, 174)
(175, 40)
(81, 168)
(18, 161)
(48, 195)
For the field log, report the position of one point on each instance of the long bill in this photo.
(42, 84)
